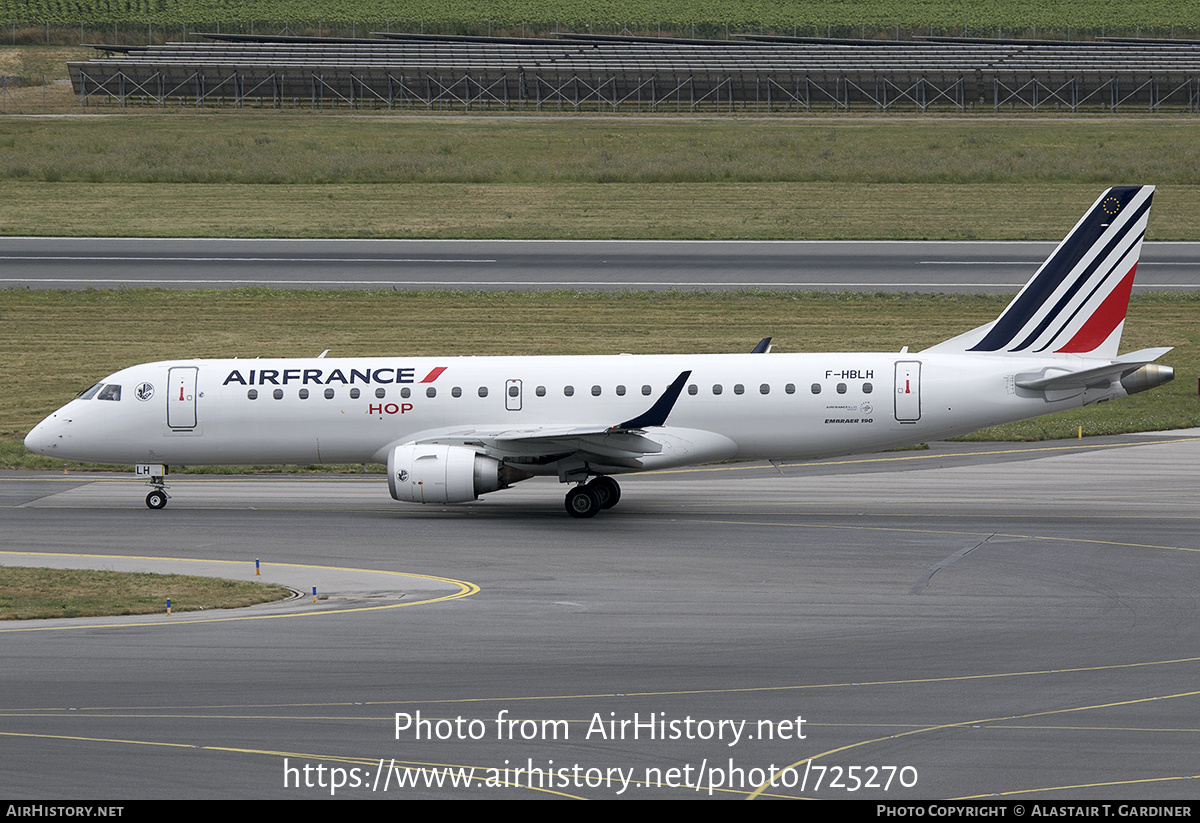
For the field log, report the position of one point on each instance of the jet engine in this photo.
(1147, 377)
(445, 474)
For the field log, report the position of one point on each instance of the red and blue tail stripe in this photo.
(1076, 302)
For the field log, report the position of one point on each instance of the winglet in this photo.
(656, 415)
(763, 347)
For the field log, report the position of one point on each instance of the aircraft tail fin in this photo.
(1076, 302)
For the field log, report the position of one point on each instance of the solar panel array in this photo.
(626, 74)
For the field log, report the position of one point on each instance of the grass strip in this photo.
(716, 211)
(36, 593)
(274, 147)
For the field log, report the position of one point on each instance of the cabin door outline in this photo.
(908, 391)
(181, 397)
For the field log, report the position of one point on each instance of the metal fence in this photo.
(628, 74)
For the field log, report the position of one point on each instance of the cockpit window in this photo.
(111, 392)
(88, 394)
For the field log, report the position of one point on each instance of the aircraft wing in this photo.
(617, 444)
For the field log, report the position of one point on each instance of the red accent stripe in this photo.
(1106, 318)
(434, 375)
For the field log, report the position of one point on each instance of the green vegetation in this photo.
(283, 175)
(712, 16)
(279, 148)
(58, 343)
(710, 211)
(33, 593)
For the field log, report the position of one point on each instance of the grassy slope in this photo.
(809, 16)
(276, 175)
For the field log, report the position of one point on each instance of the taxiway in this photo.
(1003, 619)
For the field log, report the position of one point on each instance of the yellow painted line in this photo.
(975, 722)
(1109, 783)
(465, 589)
(912, 457)
(358, 761)
(904, 530)
(797, 687)
(100, 740)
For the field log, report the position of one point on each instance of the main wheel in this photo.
(156, 499)
(610, 492)
(583, 501)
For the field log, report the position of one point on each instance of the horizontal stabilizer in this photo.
(1055, 379)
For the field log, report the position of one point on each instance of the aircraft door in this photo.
(181, 397)
(908, 391)
(512, 395)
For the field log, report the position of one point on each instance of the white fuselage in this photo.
(734, 406)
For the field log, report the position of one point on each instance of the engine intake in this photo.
(445, 474)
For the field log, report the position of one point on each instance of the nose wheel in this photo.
(157, 498)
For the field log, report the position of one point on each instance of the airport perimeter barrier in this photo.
(613, 74)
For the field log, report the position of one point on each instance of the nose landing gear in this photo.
(154, 474)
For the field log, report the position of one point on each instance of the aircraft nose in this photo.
(43, 439)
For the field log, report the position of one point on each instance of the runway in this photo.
(973, 620)
(75, 263)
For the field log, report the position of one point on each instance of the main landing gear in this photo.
(587, 499)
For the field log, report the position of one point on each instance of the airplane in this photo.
(453, 428)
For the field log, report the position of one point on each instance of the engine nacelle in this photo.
(1147, 377)
(442, 474)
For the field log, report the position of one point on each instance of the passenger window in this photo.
(514, 391)
(277, 394)
(540, 391)
(353, 393)
(693, 388)
(816, 388)
(569, 391)
(405, 392)
(717, 388)
(88, 394)
(431, 392)
(483, 391)
(868, 388)
(304, 394)
(111, 392)
(738, 388)
(252, 394)
(329, 394)
(646, 390)
(790, 388)
(595, 391)
(841, 388)
(765, 388)
(456, 392)
(380, 393)
(620, 391)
